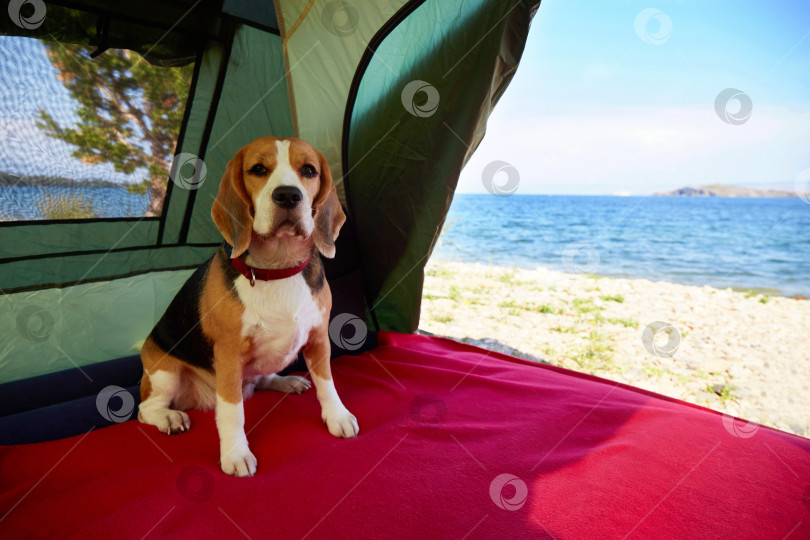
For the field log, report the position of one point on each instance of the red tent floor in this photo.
(455, 442)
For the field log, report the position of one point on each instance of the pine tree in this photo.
(130, 113)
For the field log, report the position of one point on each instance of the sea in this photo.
(743, 243)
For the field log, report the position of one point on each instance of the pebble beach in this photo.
(744, 353)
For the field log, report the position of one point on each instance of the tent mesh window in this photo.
(85, 132)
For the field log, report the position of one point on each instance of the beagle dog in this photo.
(244, 315)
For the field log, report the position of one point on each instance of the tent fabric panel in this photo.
(201, 108)
(404, 153)
(261, 13)
(166, 33)
(50, 237)
(66, 270)
(54, 329)
(256, 77)
(454, 441)
(324, 42)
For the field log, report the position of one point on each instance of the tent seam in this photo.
(300, 20)
(288, 72)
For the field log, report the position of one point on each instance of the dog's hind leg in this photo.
(155, 410)
(159, 389)
(290, 384)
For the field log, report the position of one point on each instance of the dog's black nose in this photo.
(287, 196)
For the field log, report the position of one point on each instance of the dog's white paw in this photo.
(291, 384)
(340, 422)
(238, 461)
(172, 422)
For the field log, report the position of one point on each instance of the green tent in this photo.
(395, 93)
(455, 442)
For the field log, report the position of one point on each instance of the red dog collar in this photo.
(266, 274)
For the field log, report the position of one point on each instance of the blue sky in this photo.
(594, 109)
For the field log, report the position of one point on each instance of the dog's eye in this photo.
(308, 171)
(258, 170)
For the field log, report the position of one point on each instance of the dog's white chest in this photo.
(278, 318)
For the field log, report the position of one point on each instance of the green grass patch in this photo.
(565, 329)
(512, 305)
(627, 323)
(455, 293)
(443, 318)
(585, 305)
(613, 298)
(544, 308)
(597, 354)
(509, 278)
(440, 272)
(723, 391)
(66, 207)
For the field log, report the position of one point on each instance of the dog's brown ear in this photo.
(329, 216)
(232, 208)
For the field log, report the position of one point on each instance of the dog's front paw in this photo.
(340, 422)
(238, 461)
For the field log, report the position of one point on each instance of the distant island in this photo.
(722, 190)
(8, 180)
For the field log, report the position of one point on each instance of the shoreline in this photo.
(738, 352)
(771, 291)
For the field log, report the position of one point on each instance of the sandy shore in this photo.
(741, 353)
